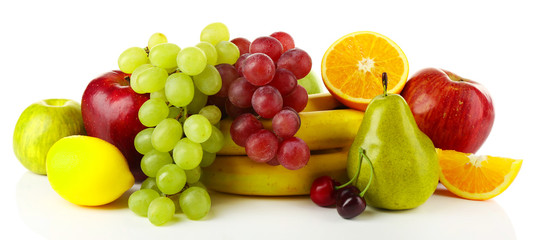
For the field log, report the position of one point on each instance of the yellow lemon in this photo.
(87, 171)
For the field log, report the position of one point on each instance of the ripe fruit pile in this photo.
(191, 89)
(263, 84)
(179, 82)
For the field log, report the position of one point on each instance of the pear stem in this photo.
(384, 83)
(362, 155)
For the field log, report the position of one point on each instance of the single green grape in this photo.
(152, 79)
(150, 183)
(208, 159)
(166, 135)
(197, 128)
(139, 201)
(152, 112)
(195, 203)
(159, 94)
(215, 142)
(134, 77)
(132, 58)
(212, 113)
(153, 161)
(228, 52)
(160, 211)
(170, 179)
(179, 89)
(191, 60)
(164, 55)
(214, 33)
(198, 102)
(142, 141)
(156, 39)
(193, 175)
(187, 154)
(209, 81)
(210, 52)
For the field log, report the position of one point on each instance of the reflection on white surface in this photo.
(239, 217)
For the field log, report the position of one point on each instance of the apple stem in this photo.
(362, 155)
(384, 83)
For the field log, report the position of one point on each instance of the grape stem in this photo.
(182, 115)
(362, 155)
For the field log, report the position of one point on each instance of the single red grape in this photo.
(293, 153)
(285, 39)
(286, 123)
(243, 126)
(239, 63)
(267, 45)
(242, 44)
(297, 61)
(228, 74)
(240, 92)
(284, 80)
(267, 101)
(258, 69)
(297, 99)
(262, 146)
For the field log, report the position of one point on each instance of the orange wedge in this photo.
(352, 68)
(476, 177)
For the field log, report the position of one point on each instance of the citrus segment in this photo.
(352, 68)
(476, 177)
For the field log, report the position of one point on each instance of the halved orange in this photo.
(352, 68)
(476, 177)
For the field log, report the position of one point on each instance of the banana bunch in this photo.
(328, 129)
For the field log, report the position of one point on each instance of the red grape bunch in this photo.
(263, 84)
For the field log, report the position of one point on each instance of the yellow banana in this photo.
(319, 129)
(322, 101)
(241, 175)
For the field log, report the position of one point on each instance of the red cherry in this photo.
(349, 203)
(323, 191)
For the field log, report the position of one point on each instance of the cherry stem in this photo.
(384, 83)
(362, 155)
(371, 173)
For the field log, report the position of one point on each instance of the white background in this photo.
(52, 49)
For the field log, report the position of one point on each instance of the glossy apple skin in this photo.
(110, 112)
(456, 113)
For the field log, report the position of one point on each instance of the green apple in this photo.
(311, 83)
(42, 124)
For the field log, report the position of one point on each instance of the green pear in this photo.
(405, 165)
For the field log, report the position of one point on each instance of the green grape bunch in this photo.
(182, 135)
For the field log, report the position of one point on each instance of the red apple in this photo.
(110, 112)
(456, 113)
